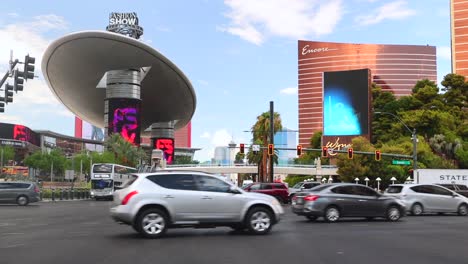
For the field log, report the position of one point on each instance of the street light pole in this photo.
(414, 138)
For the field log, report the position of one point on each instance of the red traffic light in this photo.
(242, 148)
(270, 149)
(378, 155)
(350, 153)
(324, 152)
(299, 150)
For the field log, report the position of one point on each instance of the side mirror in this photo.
(302, 188)
(233, 189)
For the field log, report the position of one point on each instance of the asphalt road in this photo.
(82, 232)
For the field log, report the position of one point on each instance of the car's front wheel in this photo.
(152, 223)
(259, 220)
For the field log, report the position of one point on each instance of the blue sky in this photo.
(238, 54)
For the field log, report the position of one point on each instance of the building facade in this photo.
(395, 68)
(459, 32)
(286, 138)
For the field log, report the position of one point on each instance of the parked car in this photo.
(458, 188)
(154, 202)
(21, 193)
(277, 190)
(429, 198)
(336, 200)
(300, 186)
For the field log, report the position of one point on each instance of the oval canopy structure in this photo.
(74, 65)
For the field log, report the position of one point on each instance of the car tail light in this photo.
(36, 189)
(127, 197)
(311, 198)
(294, 198)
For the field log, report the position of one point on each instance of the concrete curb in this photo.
(58, 200)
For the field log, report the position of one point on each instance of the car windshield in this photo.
(102, 168)
(394, 189)
(297, 185)
(101, 184)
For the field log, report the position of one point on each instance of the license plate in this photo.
(300, 201)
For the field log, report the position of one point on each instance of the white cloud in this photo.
(444, 52)
(13, 14)
(221, 138)
(205, 134)
(290, 90)
(27, 38)
(393, 11)
(10, 118)
(254, 21)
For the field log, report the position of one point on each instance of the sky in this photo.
(238, 54)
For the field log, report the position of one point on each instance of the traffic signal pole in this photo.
(7, 74)
(272, 136)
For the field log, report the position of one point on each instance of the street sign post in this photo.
(401, 162)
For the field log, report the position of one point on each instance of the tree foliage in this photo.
(261, 136)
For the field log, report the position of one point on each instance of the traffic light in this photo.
(271, 149)
(29, 67)
(2, 105)
(350, 153)
(324, 152)
(8, 94)
(242, 148)
(378, 155)
(18, 81)
(299, 150)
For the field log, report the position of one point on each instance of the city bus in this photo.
(105, 177)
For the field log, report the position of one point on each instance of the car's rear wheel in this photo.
(259, 220)
(311, 217)
(22, 200)
(332, 214)
(417, 209)
(152, 223)
(393, 214)
(463, 210)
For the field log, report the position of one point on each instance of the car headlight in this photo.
(275, 202)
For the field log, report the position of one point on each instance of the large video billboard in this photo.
(18, 132)
(124, 118)
(167, 146)
(346, 103)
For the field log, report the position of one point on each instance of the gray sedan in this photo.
(333, 201)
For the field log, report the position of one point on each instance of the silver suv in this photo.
(153, 202)
(429, 198)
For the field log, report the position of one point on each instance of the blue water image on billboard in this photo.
(339, 116)
(346, 103)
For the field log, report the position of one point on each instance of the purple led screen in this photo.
(124, 118)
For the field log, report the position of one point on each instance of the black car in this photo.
(337, 200)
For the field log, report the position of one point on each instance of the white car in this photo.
(429, 198)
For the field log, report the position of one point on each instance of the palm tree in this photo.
(261, 134)
(124, 151)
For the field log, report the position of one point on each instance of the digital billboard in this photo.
(167, 146)
(346, 103)
(18, 132)
(124, 118)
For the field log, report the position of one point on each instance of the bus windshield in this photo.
(102, 168)
(101, 184)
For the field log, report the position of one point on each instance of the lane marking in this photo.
(12, 246)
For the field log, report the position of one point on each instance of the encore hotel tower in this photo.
(459, 25)
(395, 68)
